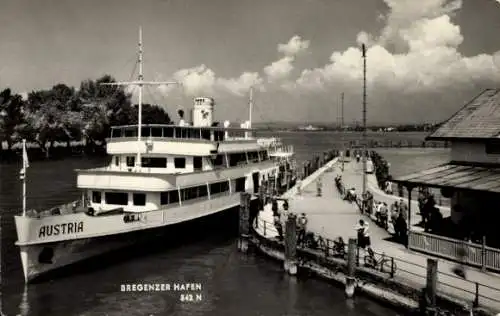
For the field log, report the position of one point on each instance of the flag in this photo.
(26, 162)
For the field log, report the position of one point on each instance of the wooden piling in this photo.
(290, 264)
(244, 222)
(431, 285)
(350, 283)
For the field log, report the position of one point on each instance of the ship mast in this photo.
(140, 82)
(250, 107)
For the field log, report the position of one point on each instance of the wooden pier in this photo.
(401, 277)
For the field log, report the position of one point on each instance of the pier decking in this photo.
(330, 217)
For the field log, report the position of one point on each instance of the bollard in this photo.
(350, 282)
(290, 264)
(244, 222)
(431, 286)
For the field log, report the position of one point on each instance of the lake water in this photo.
(232, 283)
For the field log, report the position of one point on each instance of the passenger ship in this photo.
(159, 176)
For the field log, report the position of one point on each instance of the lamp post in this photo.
(364, 156)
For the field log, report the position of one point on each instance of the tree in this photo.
(11, 115)
(151, 114)
(102, 107)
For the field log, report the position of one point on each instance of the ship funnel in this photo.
(203, 112)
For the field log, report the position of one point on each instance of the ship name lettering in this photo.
(60, 229)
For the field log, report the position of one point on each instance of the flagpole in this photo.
(25, 154)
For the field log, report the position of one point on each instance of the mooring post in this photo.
(350, 282)
(290, 264)
(431, 285)
(244, 223)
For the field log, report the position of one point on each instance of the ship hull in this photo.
(43, 262)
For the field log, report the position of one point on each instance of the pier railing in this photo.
(393, 268)
(475, 254)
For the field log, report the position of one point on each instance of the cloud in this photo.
(416, 51)
(282, 68)
(279, 69)
(203, 80)
(294, 46)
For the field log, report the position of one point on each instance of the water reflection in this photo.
(24, 306)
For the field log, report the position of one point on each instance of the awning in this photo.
(455, 176)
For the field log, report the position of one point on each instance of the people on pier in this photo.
(382, 215)
(363, 234)
(364, 202)
(301, 228)
(351, 195)
(388, 187)
(319, 186)
(461, 256)
(369, 203)
(401, 227)
(274, 207)
(279, 226)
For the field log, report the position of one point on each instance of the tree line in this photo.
(65, 114)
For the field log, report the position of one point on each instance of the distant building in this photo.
(471, 178)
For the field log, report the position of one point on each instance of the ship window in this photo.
(202, 191)
(205, 134)
(264, 155)
(253, 156)
(219, 160)
(189, 193)
(240, 185)
(173, 197)
(219, 136)
(219, 187)
(156, 132)
(197, 163)
(116, 198)
(139, 199)
(237, 159)
(168, 132)
(178, 132)
(130, 161)
(215, 188)
(164, 198)
(146, 131)
(130, 132)
(180, 163)
(117, 160)
(154, 162)
(96, 197)
(116, 132)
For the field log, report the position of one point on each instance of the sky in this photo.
(425, 58)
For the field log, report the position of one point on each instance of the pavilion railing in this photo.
(449, 248)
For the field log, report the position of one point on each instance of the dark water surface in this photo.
(232, 283)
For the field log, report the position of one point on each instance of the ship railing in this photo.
(281, 149)
(68, 208)
(162, 131)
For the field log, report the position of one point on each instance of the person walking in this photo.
(363, 234)
(301, 228)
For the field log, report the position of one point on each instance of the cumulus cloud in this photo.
(203, 80)
(294, 46)
(279, 69)
(282, 68)
(431, 59)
